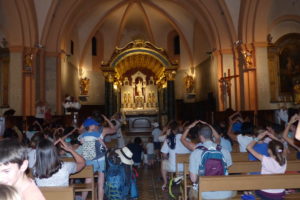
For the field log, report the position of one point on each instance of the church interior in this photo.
(151, 61)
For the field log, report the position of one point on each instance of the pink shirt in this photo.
(31, 192)
(271, 166)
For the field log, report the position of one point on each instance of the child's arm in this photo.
(290, 141)
(79, 160)
(253, 142)
(214, 132)
(68, 134)
(230, 133)
(108, 130)
(188, 144)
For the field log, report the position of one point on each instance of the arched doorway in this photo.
(139, 82)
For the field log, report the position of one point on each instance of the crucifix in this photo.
(225, 84)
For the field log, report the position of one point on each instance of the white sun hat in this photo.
(125, 155)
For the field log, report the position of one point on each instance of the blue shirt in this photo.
(261, 148)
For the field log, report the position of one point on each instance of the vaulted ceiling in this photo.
(218, 23)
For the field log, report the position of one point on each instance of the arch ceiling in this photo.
(55, 22)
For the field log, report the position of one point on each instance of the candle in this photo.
(228, 72)
(224, 74)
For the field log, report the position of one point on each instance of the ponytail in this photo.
(277, 150)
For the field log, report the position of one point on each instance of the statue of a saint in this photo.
(139, 88)
(84, 85)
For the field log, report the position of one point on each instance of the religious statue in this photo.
(189, 83)
(139, 88)
(125, 99)
(84, 85)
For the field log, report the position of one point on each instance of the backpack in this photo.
(117, 180)
(93, 150)
(212, 162)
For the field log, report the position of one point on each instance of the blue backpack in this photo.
(117, 181)
(212, 162)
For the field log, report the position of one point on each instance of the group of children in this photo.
(43, 156)
(268, 144)
(87, 146)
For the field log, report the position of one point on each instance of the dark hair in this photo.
(47, 160)
(277, 150)
(36, 138)
(137, 140)
(247, 128)
(11, 151)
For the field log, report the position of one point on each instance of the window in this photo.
(94, 46)
(72, 47)
(176, 43)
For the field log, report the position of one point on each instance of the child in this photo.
(137, 149)
(275, 164)
(13, 164)
(93, 135)
(118, 175)
(246, 136)
(150, 151)
(49, 170)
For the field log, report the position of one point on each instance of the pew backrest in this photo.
(247, 182)
(55, 193)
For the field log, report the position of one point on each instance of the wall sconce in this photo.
(84, 86)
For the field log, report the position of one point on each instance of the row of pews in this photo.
(239, 178)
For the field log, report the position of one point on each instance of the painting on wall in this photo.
(284, 67)
(289, 67)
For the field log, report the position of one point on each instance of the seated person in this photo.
(171, 146)
(197, 167)
(49, 170)
(13, 164)
(275, 164)
(244, 136)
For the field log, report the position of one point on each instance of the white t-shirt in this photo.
(179, 149)
(243, 141)
(60, 178)
(271, 166)
(156, 133)
(150, 148)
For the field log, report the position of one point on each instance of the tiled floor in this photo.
(149, 184)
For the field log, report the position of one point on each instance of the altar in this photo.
(139, 101)
(139, 82)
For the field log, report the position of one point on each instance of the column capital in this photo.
(170, 75)
(109, 76)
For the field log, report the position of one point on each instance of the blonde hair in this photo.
(8, 192)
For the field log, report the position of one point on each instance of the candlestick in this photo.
(228, 72)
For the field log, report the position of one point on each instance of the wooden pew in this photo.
(243, 156)
(87, 172)
(238, 167)
(181, 159)
(255, 166)
(55, 193)
(248, 182)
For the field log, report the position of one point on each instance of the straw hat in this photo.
(125, 155)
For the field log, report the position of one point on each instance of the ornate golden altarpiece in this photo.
(138, 71)
(284, 69)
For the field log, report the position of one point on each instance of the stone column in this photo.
(170, 75)
(109, 93)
